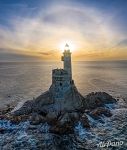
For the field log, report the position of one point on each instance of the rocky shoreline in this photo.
(70, 130)
(60, 121)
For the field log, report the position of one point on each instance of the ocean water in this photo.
(21, 81)
(111, 130)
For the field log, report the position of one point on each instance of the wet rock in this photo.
(15, 119)
(25, 109)
(100, 111)
(36, 119)
(97, 99)
(73, 101)
(52, 115)
(7, 109)
(64, 118)
(66, 128)
(62, 115)
(65, 123)
(72, 117)
(51, 118)
(84, 121)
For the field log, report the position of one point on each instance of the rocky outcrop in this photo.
(97, 99)
(45, 103)
(65, 123)
(36, 105)
(7, 109)
(62, 115)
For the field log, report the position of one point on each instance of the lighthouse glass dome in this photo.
(67, 46)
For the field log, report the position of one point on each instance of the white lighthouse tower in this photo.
(62, 78)
(66, 58)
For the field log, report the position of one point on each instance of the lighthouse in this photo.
(66, 58)
(62, 78)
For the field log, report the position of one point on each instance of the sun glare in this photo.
(71, 46)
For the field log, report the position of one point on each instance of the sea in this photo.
(21, 81)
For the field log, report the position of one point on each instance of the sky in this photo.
(38, 29)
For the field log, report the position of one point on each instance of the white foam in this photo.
(19, 105)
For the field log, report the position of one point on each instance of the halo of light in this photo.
(70, 43)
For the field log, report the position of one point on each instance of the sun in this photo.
(70, 44)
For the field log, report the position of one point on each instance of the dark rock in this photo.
(66, 128)
(7, 109)
(72, 117)
(84, 120)
(62, 115)
(51, 118)
(25, 109)
(44, 99)
(16, 119)
(73, 101)
(100, 111)
(64, 118)
(65, 123)
(35, 105)
(36, 119)
(42, 113)
(52, 115)
(97, 99)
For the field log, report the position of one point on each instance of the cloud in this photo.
(40, 33)
(51, 52)
(122, 43)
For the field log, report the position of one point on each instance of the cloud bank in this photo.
(39, 31)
